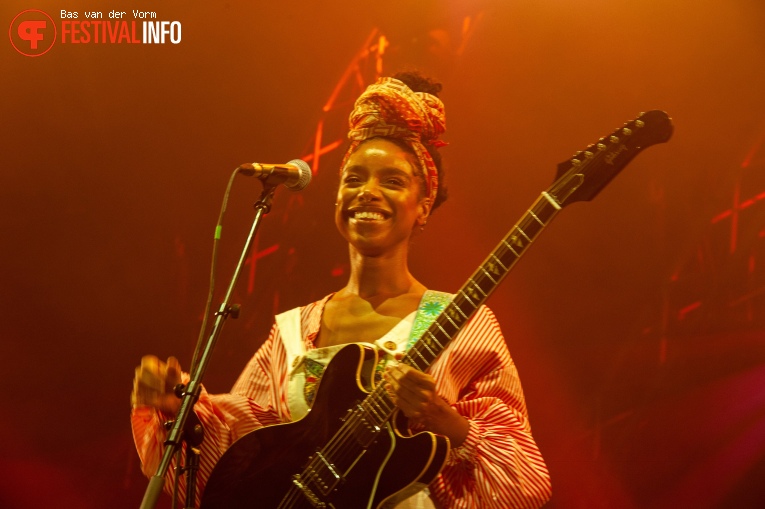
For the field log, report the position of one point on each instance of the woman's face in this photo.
(380, 198)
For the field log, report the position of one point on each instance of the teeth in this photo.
(368, 215)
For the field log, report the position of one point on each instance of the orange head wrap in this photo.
(390, 109)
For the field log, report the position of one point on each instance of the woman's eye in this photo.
(396, 181)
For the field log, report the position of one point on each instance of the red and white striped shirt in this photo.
(498, 466)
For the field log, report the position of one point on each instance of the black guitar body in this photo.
(258, 470)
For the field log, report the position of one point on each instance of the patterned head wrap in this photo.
(390, 109)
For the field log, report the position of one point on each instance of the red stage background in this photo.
(636, 321)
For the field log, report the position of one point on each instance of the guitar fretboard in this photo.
(482, 283)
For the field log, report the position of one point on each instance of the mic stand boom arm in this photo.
(191, 393)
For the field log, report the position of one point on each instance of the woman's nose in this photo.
(369, 191)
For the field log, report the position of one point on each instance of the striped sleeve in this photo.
(253, 402)
(499, 464)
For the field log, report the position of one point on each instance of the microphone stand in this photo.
(190, 393)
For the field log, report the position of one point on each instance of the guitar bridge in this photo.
(307, 493)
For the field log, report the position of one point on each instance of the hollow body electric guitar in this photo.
(351, 450)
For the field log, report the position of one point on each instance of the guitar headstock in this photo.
(583, 176)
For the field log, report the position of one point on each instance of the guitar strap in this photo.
(431, 305)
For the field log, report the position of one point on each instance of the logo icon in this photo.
(32, 33)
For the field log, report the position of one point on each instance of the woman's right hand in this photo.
(154, 383)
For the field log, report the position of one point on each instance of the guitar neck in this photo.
(483, 282)
(377, 408)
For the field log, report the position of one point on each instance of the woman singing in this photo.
(390, 183)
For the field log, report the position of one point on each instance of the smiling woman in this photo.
(456, 436)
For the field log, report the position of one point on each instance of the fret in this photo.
(518, 228)
(468, 299)
(425, 366)
(478, 286)
(442, 330)
(434, 339)
(447, 325)
(486, 273)
(504, 241)
(536, 218)
(471, 293)
(508, 256)
(539, 215)
(490, 266)
(457, 319)
(530, 229)
(460, 301)
(458, 309)
(426, 353)
(484, 284)
(425, 345)
(446, 315)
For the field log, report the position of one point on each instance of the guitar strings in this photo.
(342, 447)
(376, 409)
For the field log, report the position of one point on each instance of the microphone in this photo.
(295, 175)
